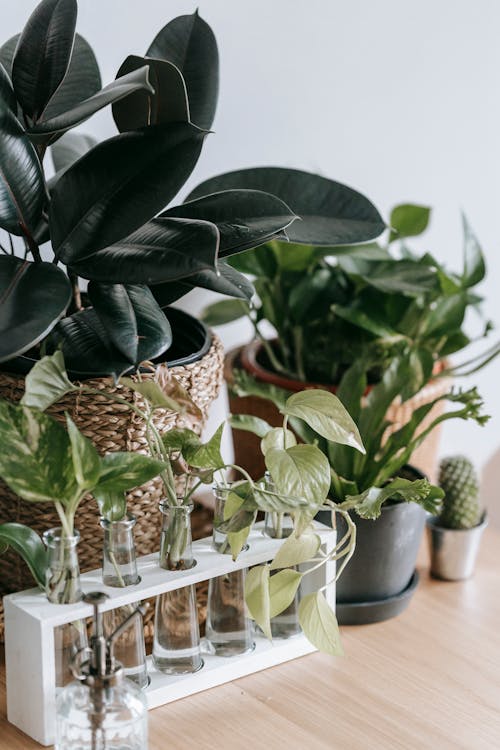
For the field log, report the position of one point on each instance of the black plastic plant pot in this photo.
(191, 341)
(380, 578)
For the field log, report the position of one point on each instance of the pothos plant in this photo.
(103, 214)
(43, 462)
(300, 484)
(364, 482)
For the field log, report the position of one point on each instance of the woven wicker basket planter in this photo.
(246, 447)
(111, 427)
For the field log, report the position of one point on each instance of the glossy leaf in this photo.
(7, 96)
(401, 277)
(166, 102)
(358, 317)
(7, 53)
(247, 422)
(47, 382)
(369, 503)
(69, 148)
(300, 471)
(275, 438)
(237, 539)
(22, 191)
(206, 455)
(153, 393)
(86, 460)
(189, 43)
(124, 471)
(36, 460)
(277, 500)
(161, 250)
(408, 220)
(245, 218)
(446, 316)
(86, 346)
(121, 184)
(43, 53)
(28, 545)
(113, 92)
(81, 81)
(326, 414)
(282, 589)
(257, 597)
(296, 550)
(134, 322)
(319, 624)
(225, 311)
(331, 213)
(112, 505)
(33, 296)
(474, 265)
(224, 280)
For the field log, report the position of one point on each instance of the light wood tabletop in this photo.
(426, 680)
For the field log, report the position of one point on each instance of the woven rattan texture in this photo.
(111, 427)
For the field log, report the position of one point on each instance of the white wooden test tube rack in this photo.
(30, 620)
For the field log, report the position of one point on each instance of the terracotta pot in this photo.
(246, 445)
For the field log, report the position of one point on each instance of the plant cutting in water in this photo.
(43, 462)
(300, 477)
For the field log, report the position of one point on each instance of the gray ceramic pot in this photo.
(454, 551)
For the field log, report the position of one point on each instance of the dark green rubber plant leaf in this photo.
(7, 53)
(28, 545)
(161, 250)
(474, 265)
(245, 218)
(224, 280)
(43, 53)
(167, 102)
(22, 192)
(136, 81)
(331, 213)
(33, 296)
(69, 148)
(135, 323)
(7, 96)
(35, 460)
(189, 43)
(82, 80)
(86, 346)
(121, 183)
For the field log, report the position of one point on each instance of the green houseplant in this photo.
(374, 302)
(376, 485)
(93, 259)
(300, 477)
(103, 213)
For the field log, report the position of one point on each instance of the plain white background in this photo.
(398, 99)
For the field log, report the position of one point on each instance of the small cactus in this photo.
(461, 508)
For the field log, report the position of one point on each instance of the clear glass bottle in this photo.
(228, 629)
(280, 526)
(101, 710)
(120, 569)
(219, 539)
(63, 587)
(176, 643)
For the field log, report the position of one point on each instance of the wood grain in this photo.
(427, 680)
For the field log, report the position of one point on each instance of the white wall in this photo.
(398, 99)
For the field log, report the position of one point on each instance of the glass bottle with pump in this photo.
(101, 710)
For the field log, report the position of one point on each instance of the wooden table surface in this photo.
(427, 680)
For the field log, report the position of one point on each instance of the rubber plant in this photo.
(105, 214)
